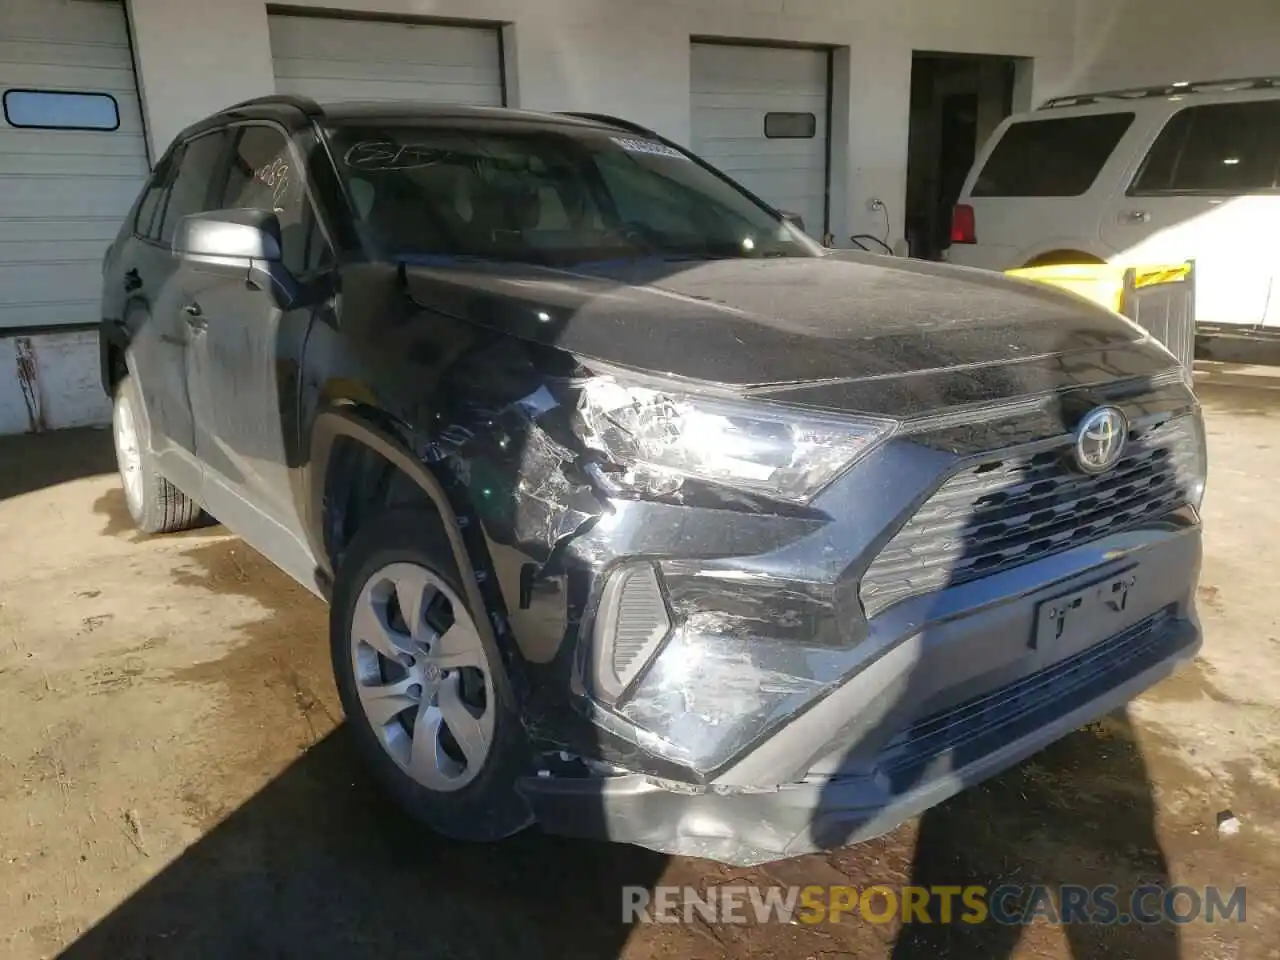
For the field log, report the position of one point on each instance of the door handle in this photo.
(1135, 216)
(194, 316)
(132, 280)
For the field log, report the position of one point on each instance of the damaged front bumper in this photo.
(743, 827)
(957, 692)
(745, 680)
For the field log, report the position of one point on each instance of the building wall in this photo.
(1125, 43)
(632, 59)
(50, 381)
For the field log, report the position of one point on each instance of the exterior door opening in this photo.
(957, 101)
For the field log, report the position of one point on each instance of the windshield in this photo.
(556, 196)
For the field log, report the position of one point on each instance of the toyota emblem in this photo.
(1100, 439)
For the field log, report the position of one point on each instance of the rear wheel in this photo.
(155, 504)
(1063, 258)
(427, 702)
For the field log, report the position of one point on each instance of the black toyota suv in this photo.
(640, 515)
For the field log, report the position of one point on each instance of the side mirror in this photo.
(229, 235)
(794, 219)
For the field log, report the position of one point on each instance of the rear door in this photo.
(1042, 187)
(1207, 190)
(158, 285)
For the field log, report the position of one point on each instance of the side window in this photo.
(642, 199)
(190, 191)
(145, 223)
(1217, 148)
(263, 177)
(1156, 173)
(1053, 157)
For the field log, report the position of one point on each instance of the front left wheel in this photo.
(426, 699)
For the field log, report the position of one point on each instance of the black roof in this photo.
(393, 110)
(294, 110)
(444, 111)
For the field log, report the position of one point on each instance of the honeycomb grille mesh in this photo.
(1004, 512)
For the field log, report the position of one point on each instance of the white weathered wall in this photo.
(49, 381)
(1126, 43)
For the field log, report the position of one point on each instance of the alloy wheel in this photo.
(128, 454)
(422, 676)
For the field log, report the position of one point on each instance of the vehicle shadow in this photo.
(29, 463)
(1080, 812)
(321, 864)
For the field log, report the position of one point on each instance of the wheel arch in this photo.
(113, 351)
(353, 426)
(1062, 256)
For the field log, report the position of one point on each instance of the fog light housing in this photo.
(630, 625)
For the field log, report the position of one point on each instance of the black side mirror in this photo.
(243, 242)
(221, 235)
(794, 219)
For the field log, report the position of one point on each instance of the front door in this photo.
(1206, 192)
(245, 361)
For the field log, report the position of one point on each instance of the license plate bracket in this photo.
(1096, 612)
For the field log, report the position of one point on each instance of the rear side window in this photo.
(147, 223)
(1216, 148)
(190, 192)
(143, 226)
(1058, 157)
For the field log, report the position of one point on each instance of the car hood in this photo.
(843, 331)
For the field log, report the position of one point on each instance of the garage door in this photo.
(330, 59)
(63, 191)
(760, 115)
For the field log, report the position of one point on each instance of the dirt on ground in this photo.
(176, 780)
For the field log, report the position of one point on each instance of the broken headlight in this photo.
(655, 440)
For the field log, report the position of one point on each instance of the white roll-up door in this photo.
(760, 115)
(63, 192)
(330, 59)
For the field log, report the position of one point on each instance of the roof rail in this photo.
(305, 104)
(608, 120)
(1166, 90)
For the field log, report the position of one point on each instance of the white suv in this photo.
(1149, 176)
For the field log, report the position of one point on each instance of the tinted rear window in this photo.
(1058, 157)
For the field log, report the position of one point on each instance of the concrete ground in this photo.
(175, 780)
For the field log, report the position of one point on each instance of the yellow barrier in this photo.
(1100, 282)
(1160, 298)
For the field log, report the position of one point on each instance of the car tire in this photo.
(155, 504)
(410, 666)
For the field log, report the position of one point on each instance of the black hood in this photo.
(844, 331)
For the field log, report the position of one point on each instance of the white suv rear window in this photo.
(1055, 157)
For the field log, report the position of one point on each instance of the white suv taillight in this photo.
(964, 228)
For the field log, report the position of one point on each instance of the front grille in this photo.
(985, 723)
(1001, 513)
